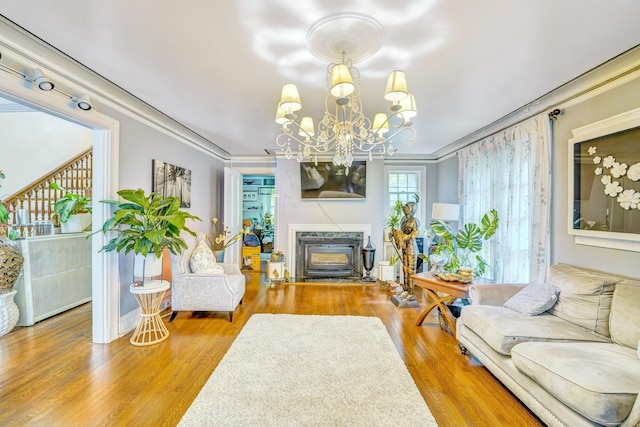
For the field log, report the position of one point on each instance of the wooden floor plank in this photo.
(52, 375)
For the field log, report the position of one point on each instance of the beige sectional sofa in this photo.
(576, 364)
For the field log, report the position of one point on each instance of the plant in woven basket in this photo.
(11, 259)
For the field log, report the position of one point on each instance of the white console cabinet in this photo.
(56, 276)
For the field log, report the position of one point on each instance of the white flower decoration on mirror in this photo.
(634, 172)
(629, 199)
(618, 169)
(626, 198)
(613, 189)
(608, 161)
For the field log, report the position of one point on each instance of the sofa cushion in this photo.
(203, 261)
(585, 296)
(534, 299)
(625, 313)
(598, 380)
(502, 328)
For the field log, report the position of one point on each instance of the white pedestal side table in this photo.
(151, 329)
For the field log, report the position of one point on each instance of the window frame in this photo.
(421, 171)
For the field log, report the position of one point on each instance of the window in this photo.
(402, 183)
(509, 172)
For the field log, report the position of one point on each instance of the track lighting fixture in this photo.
(30, 77)
(82, 102)
(43, 82)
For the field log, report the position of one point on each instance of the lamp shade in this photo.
(290, 98)
(408, 107)
(306, 127)
(396, 86)
(380, 124)
(341, 81)
(280, 116)
(445, 211)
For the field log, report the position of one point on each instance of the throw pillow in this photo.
(203, 261)
(534, 299)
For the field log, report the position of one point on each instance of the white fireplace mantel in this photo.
(365, 229)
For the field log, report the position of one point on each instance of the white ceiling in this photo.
(218, 66)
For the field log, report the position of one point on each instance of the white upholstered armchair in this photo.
(203, 291)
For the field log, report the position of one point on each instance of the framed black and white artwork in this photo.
(172, 180)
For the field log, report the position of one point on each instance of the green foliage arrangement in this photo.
(69, 204)
(146, 224)
(460, 247)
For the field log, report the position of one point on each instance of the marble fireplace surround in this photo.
(293, 229)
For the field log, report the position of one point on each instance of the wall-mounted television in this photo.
(328, 181)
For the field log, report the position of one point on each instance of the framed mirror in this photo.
(604, 183)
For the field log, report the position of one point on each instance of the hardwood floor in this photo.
(51, 374)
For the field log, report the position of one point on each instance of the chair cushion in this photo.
(598, 380)
(502, 328)
(203, 261)
(585, 296)
(534, 299)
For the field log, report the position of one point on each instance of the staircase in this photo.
(34, 203)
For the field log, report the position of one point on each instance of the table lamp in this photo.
(445, 212)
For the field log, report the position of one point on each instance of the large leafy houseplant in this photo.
(461, 249)
(146, 224)
(70, 203)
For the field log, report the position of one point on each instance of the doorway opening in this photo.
(258, 217)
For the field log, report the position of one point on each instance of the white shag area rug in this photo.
(300, 370)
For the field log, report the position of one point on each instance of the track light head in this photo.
(83, 102)
(43, 82)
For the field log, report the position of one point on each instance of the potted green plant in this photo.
(457, 249)
(146, 224)
(392, 222)
(73, 210)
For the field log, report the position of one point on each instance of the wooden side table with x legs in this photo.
(151, 329)
(451, 290)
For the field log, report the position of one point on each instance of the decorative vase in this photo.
(10, 264)
(77, 223)
(368, 256)
(9, 313)
(219, 254)
(11, 261)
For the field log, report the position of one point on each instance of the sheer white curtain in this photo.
(509, 171)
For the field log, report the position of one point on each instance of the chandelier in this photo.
(344, 131)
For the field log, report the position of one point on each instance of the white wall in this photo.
(293, 210)
(38, 143)
(607, 104)
(139, 145)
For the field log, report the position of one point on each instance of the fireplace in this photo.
(328, 255)
(326, 251)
